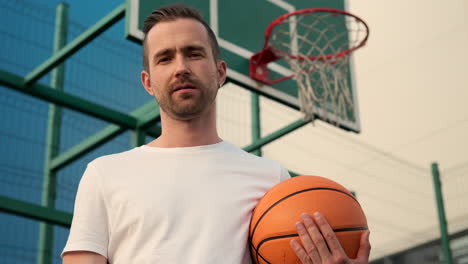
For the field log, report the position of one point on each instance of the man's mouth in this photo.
(184, 87)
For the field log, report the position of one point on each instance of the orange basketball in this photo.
(273, 220)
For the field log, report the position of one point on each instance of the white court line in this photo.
(133, 27)
(292, 26)
(214, 24)
(283, 4)
(357, 114)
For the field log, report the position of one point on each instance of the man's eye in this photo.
(195, 55)
(163, 59)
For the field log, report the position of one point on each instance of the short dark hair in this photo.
(171, 13)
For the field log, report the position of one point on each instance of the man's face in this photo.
(183, 75)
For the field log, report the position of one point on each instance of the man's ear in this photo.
(145, 80)
(222, 68)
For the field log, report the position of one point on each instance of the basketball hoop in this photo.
(316, 43)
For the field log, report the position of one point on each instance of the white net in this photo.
(317, 46)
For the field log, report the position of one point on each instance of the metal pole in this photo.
(275, 135)
(256, 129)
(146, 116)
(445, 242)
(46, 235)
(61, 55)
(33, 211)
(138, 138)
(74, 102)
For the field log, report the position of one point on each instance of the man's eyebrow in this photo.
(194, 48)
(169, 51)
(163, 52)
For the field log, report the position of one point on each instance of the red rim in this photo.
(340, 54)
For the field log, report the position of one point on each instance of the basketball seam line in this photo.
(292, 194)
(286, 197)
(350, 229)
(268, 239)
(296, 235)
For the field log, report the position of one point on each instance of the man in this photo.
(187, 196)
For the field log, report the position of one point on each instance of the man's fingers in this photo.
(316, 236)
(329, 235)
(309, 245)
(364, 248)
(300, 252)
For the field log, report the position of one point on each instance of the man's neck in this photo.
(187, 133)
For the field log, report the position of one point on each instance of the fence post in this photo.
(49, 188)
(445, 243)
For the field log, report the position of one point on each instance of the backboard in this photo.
(240, 26)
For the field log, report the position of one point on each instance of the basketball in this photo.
(273, 221)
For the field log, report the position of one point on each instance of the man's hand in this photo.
(317, 248)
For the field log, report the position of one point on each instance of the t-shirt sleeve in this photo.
(284, 174)
(89, 228)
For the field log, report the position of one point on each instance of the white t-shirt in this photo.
(171, 205)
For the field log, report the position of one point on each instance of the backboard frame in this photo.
(235, 54)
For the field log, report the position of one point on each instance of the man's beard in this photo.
(190, 105)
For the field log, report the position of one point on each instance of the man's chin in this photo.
(186, 114)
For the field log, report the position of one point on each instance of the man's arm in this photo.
(83, 257)
(88, 238)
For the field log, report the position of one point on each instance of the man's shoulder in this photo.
(252, 157)
(257, 165)
(116, 158)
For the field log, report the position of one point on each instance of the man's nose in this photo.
(182, 66)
